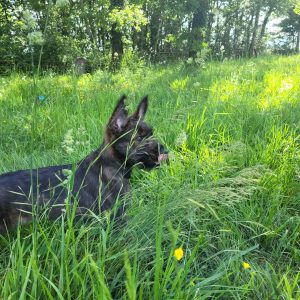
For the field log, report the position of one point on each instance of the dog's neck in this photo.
(106, 156)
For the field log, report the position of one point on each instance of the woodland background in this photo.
(106, 34)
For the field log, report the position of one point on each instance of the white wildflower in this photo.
(68, 142)
(189, 60)
(181, 139)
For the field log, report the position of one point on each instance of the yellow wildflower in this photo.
(246, 265)
(178, 253)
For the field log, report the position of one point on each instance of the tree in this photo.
(198, 25)
(102, 31)
(291, 26)
(116, 37)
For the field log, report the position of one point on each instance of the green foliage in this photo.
(201, 56)
(131, 61)
(297, 7)
(291, 30)
(130, 16)
(229, 195)
(54, 34)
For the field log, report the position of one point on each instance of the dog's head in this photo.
(131, 139)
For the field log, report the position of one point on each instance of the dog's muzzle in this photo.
(162, 157)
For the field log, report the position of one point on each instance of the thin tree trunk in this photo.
(155, 22)
(238, 45)
(226, 35)
(264, 25)
(252, 46)
(142, 35)
(198, 23)
(85, 18)
(217, 31)
(210, 21)
(248, 34)
(235, 34)
(157, 38)
(117, 49)
(298, 42)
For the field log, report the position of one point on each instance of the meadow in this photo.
(229, 197)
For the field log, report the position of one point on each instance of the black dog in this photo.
(97, 181)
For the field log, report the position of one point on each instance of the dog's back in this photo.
(19, 189)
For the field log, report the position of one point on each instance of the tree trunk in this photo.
(198, 23)
(248, 34)
(142, 35)
(236, 34)
(226, 35)
(217, 41)
(239, 34)
(209, 26)
(298, 42)
(154, 31)
(117, 49)
(264, 25)
(252, 47)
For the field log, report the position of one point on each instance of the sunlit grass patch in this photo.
(225, 89)
(280, 90)
(179, 84)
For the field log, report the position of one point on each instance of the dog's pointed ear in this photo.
(119, 116)
(142, 109)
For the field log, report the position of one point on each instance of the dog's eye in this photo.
(139, 138)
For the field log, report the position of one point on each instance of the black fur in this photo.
(98, 180)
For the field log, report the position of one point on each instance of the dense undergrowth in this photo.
(229, 196)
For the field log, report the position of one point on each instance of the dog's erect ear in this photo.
(119, 116)
(142, 109)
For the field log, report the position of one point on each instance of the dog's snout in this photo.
(163, 154)
(162, 150)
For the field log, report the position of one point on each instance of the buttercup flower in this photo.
(178, 253)
(246, 265)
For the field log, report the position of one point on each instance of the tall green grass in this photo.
(229, 195)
